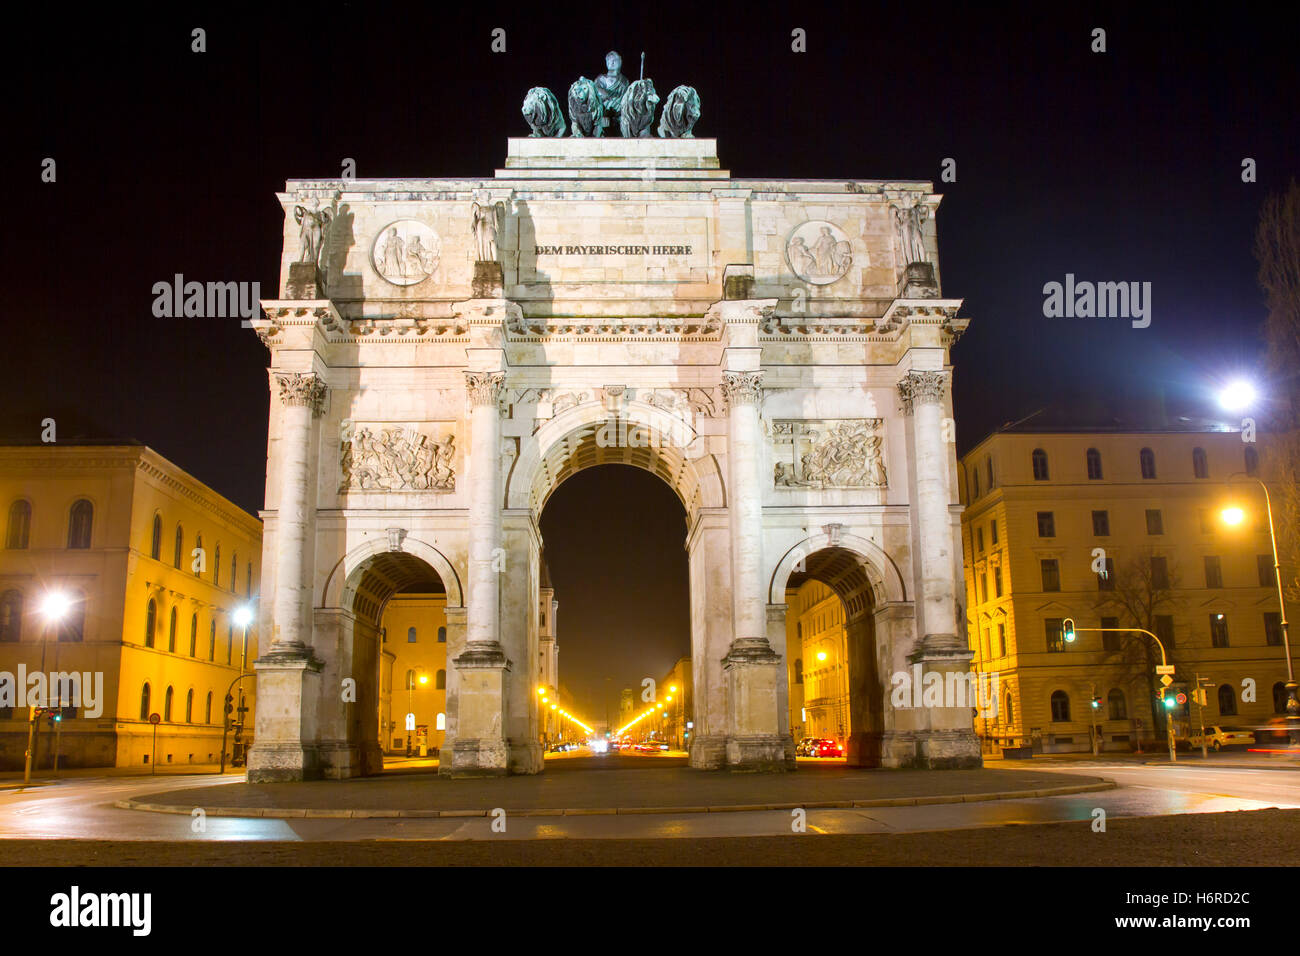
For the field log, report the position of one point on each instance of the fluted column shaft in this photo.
(483, 619)
(743, 394)
(302, 396)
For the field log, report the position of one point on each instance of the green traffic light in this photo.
(1169, 703)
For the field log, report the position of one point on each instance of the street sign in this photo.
(154, 718)
(1164, 668)
(1166, 680)
(1182, 698)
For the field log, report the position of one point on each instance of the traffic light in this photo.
(230, 709)
(1170, 703)
(1096, 703)
(1068, 627)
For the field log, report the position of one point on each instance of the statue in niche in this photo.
(680, 114)
(586, 109)
(612, 84)
(487, 218)
(543, 113)
(909, 225)
(638, 114)
(313, 230)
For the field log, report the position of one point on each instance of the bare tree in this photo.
(1142, 589)
(1277, 248)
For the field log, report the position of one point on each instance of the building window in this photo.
(988, 465)
(207, 709)
(1213, 571)
(1094, 465)
(1252, 460)
(993, 531)
(1279, 698)
(171, 632)
(167, 705)
(80, 520)
(144, 703)
(179, 551)
(189, 707)
(1116, 707)
(155, 540)
(1106, 576)
(1218, 630)
(248, 580)
(1147, 460)
(1002, 640)
(410, 680)
(212, 641)
(202, 558)
(997, 582)
(1046, 524)
(1051, 574)
(11, 616)
(216, 567)
(1040, 464)
(150, 622)
(1110, 639)
(1273, 628)
(1055, 634)
(798, 670)
(442, 635)
(979, 539)
(1060, 707)
(1227, 701)
(440, 723)
(1159, 572)
(1011, 713)
(234, 573)
(72, 627)
(230, 641)
(1155, 523)
(1264, 563)
(975, 479)
(1200, 465)
(20, 525)
(410, 635)
(194, 635)
(1165, 629)
(440, 682)
(1101, 524)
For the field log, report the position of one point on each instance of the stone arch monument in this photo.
(767, 348)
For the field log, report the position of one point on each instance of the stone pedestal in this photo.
(305, 282)
(753, 671)
(480, 747)
(489, 281)
(918, 282)
(288, 687)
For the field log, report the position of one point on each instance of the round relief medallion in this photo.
(819, 252)
(406, 252)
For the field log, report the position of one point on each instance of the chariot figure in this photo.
(611, 86)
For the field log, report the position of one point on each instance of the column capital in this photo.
(484, 387)
(301, 388)
(923, 388)
(742, 388)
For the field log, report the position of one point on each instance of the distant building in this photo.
(150, 566)
(817, 665)
(413, 674)
(675, 693)
(548, 653)
(1048, 505)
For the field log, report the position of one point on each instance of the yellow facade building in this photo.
(817, 664)
(122, 568)
(413, 674)
(1046, 511)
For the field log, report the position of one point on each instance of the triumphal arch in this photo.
(446, 352)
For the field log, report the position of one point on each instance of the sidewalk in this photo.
(1237, 759)
(13, 779)
(648, 790)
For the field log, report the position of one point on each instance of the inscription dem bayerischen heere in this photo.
(613, 250)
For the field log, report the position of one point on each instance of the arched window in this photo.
(1200, 464)
(1252, 460)
(410, 635)
(144, 702)
(1117, 707)
(230, 641)
(988, 465)
(167, 705)
(410, 680)
(201, 561)
(248, 580)
(189, 707)
(1227, 701)
(194, 635)
(180, 546)
(1060, 706)
(234, 573)
(20, 525)
(216, 568)
(1011, 711)
(150, 622)
(975, 480)
(11, 616)
(442, 635)
(441, 723)
(1094, 464)
(207, 709)
(212, 641)
(72, 626)
(171, 632)
(798, 670)
(441, 683)
(1147, 461)
(1279, 698)
(1039, 459)
(155, 540)
(80, 519)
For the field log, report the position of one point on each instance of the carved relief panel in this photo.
(389, 457)
(828, 453)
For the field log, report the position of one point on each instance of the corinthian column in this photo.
(483, 620)
(302, 395)
(923, 396)
(743, 393)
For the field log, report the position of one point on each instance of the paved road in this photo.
(82, 808)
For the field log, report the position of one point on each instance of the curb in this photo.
(275, 813)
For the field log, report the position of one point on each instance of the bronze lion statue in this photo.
(680, 114)
(586, 112)
(543, 113)
(639, 104)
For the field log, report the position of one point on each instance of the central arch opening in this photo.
(615, 600)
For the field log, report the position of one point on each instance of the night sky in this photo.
(1122, 166)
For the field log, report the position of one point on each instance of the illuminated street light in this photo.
(243, 616)
(1237, 396)
(55, 605)
(1233, 515)
(821, 655)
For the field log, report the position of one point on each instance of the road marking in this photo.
(817, 829)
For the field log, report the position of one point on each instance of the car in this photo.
(805, 747)
(828, 748)
(1275, 733)
(1216, 738)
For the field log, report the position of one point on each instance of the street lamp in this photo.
(54, 607)
(1234, 515)
(1237, 396)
